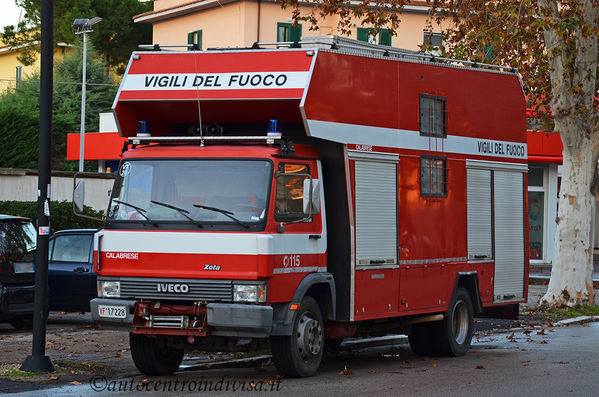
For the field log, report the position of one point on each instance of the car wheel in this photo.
(300, 354)
(22, 323)
(153, 356)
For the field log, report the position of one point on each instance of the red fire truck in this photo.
(296, 196)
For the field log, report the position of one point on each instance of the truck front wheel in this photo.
(153, 356)
(300, 354)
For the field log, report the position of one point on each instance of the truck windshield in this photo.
(192, 191)
(17, 241)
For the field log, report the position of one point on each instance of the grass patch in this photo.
(560, 313)
(76, 367)
(12, 371)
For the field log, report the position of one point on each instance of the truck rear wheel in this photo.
(300, 354)
(421, 338)
(454, 333)
(153, 356)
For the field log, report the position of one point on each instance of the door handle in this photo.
(81, 270)
(314, 236)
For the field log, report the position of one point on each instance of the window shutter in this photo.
(385, 37)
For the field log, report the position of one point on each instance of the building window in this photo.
(433, 176)
(288, 32)
(289, 204)
(195, 38)
(433, 116)
(384, 36)
(433, 39)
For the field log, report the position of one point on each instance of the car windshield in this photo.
(192, 191)
(17, 241)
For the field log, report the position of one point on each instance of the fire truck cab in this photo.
(297, 196)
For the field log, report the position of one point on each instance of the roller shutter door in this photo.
(508, 195)
(480, 224)
(376, 213)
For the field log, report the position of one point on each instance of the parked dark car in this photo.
(18, 240)
(71, 278)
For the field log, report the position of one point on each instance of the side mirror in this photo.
(78, 196)
(79, 199)
(311, 196)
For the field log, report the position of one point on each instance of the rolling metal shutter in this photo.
(509, 236)
(480, 233)
(376, 213)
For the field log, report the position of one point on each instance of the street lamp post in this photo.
(83, 26)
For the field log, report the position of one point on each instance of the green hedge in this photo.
(61, 214)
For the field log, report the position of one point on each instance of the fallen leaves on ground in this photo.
(346, 371)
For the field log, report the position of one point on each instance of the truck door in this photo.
(376, 265)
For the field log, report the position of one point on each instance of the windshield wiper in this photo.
(140, 211)
(179, 210)
(226, 213)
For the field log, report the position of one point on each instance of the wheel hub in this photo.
(309, 337)
(460, 321)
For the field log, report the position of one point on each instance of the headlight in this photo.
(249, 293)
(109, 289)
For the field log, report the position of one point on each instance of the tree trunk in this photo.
(573, 77)
(571, 281)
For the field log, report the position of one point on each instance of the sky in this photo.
(9, 13)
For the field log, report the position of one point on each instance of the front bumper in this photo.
(16, 300)
(222, 319)
(233, 319)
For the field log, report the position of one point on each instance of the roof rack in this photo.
(332, 42)
(269, 139)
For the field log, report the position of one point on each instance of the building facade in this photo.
(241, 23)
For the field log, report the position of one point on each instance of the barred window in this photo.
(433, 176)
(433, 116)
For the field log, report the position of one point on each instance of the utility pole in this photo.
(83, 27)
(38, 360)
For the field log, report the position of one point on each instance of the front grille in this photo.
(158, 288)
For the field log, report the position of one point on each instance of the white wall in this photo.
(21, 185)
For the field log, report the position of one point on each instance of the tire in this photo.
(153, 356)
(454, 333)
(332, 346)
(421, 339)
(300, 354)
(22, 323)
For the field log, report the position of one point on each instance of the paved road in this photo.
(554, 362)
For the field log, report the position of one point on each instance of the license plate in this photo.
(112, 311)
(24, 267)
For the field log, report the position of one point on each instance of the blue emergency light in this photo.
(143, 128)
(273, 127)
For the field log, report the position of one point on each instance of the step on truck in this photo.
(294, 195)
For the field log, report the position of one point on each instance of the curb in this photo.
(578, 320)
